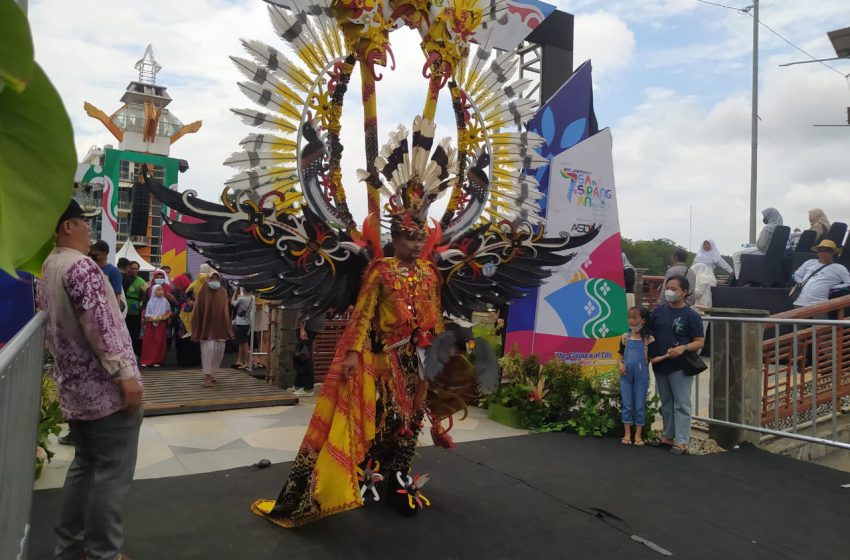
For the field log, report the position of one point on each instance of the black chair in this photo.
(769, 269)
(803, 250)
(844, 258)
(837, 231)
(806, 242)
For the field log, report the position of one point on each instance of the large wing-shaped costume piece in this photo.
(283, 226)
(491, 265)
(295, 259)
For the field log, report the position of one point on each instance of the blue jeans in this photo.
(675, 391)
(634, 384)
(95, 486)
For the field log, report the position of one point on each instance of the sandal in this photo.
(626, 441)
(209, 381)
(639, 443)
(679, 450)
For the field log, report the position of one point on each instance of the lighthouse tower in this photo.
(145, 130)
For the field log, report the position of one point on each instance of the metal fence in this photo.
(788, 378)
(21, 366)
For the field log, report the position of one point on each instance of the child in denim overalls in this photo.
(634, 373)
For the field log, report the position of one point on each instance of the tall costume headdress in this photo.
(284, 226)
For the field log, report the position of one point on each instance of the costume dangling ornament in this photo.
(283, 225)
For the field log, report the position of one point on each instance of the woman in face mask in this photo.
(160, 278)
(677, 329)
(211, 325)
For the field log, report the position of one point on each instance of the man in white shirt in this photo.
(821, 275)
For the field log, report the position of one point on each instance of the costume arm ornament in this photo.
(356, 336)
(462, 154)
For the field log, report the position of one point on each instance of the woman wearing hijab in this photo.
(771, 218)
(704, 281)
(709, 255)
(157, 313)
(211, 325)
(819, 223)
(629, 274)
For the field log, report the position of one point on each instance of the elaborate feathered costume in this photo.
(283, 225)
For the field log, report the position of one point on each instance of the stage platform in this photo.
(537, 496)
(178, 391)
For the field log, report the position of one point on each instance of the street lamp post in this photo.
(755, 124)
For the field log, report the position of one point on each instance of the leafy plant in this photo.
(519, 369)
(49, 422)
(37, 154)
(596, 406)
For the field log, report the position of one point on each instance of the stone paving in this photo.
(185, 444)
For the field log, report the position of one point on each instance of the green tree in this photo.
(654, 254)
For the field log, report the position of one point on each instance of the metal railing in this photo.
(21, 366)
(788, 378)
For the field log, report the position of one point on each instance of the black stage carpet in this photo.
(538, 496)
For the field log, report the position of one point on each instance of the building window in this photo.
(125, 172)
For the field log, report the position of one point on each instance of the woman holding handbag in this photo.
(678, 334)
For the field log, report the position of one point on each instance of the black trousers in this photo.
(134, 325)
(304, 373)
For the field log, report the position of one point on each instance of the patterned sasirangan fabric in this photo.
(392, 304)
(85, 334)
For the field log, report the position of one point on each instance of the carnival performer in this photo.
(396, 316)
(284, 230)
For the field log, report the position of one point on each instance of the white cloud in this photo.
(606, 39)
(89, 55)
(674, 149)
(670, 154)
(653, 11)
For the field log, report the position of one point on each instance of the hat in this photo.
(827, 244)
(74, 210)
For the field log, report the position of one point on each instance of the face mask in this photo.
(159, 281)
(671, 296)
(636, 329)
(214, 284)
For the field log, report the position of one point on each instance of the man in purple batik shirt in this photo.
(100, 392)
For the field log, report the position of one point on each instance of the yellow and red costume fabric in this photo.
(396, 304)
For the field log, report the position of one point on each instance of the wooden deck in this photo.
(180, 391)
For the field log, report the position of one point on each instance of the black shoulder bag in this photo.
(795, 292)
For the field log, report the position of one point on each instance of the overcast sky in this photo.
(671, 77)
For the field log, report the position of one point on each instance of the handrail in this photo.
(21, 366)
(19, 341)
(837, 304)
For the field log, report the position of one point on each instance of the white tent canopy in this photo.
(129, 252)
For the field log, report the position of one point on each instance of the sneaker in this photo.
(302, 393)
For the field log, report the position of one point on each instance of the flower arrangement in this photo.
(556, 396)
(49, 422)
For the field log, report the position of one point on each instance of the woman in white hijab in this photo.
(709, 255)
(154, 341)
(705, 280)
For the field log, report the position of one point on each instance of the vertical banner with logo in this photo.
(581, 310)
(566, 119)
(96, 175)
